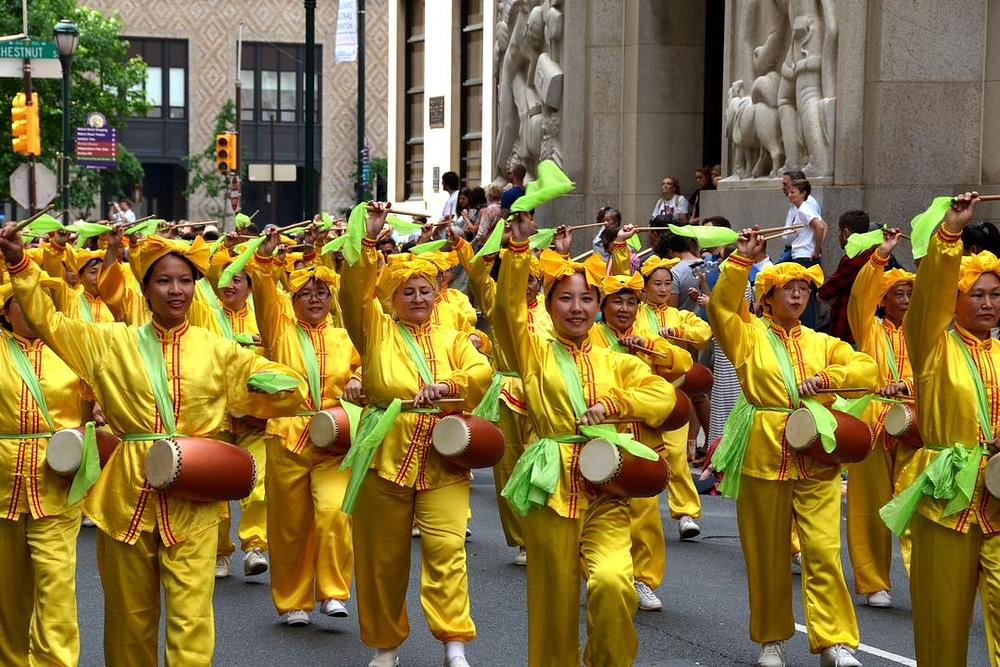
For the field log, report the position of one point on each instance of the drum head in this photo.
(451, 436)
(163, 462)
(992, 476)
(898, 420)
(599, 461)
(800, 430)
(322, 429)
(64, 451)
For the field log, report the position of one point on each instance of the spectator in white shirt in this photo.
(806, 245)
(671, 203)
(122, 213)
(793, 218)
(451, 184)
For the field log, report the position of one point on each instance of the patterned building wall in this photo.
(210, 28)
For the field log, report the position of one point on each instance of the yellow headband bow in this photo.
(442, 260)
(654, 263)
(554, 267)
(614, 284)
(77, 259)
(153, 248)
(895, 277)
(291, 259)
(298, 279)
(779, 275)
(534, 268)
(974, 266)
(397, 272)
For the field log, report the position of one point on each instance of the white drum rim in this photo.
(600, 461)
(322, 420)
(451, 436)
(64, 451)
(903, 414)
(793, 420)
(991, 476)
(163, 463)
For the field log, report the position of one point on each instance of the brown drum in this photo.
(697, 382)
(854, 437)
(901, 423)
(200, 469)
(468, 441)
(992, 476)
(65, 449)
(330, 430)
(620, 473)
(679, 416)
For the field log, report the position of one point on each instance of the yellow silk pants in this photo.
(38, 594)
(764, 513)
(309, 537)
(515, 428)
(947, 566)
(132, 576)
(682, 496)
(558, 547)
(869, 541)
(649, 552)
(383, 516)
(253, 517)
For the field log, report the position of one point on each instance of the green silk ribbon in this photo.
(85, 313)
(375, 424)
(416, 354)
(268, 382)
(27, 372)
(732, 449)
(890, 356)
(612, 338)
(312, 368)
(654, 322)
(151, 353)
(982, 405)
(90, 467)
(489, 406)
(213, 301)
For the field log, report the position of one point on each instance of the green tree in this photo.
(103, 79)
(203, 176)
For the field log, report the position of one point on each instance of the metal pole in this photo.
(274, 190)
(31, 158)
(239, 94)
(360, 187)
(67, 144)
(308, 199)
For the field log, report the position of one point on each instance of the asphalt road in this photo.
(704, 621)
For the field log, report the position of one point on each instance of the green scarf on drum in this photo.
(826, 424)
(953, 473)
(856, 406)
(489, 406)
(375, 424)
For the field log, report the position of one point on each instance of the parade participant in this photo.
(38, 526)
(310, 537)
(464, 315)
(154, 381)
(657, 317)
(405, 356)
(571, 529)
(955, 520)
(619, 305)
(870, 482)
(83, 301)
(778, 361)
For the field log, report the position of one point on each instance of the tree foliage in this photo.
(103, 79)
(203, 176)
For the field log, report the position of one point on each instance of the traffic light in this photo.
(26, 137)
(225, 152)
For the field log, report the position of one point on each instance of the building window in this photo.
(413, 102)
(272, 79)
(471, 92)
(166, 75)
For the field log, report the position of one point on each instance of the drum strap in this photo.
(654, 321)
(27, 373)
(85, 313)
(312, 367)
(890, 356)
(90, 466)
(152, 358)
(982, 404)
(612, 338)
(489, 406)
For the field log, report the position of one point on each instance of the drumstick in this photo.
(580, 258)
(441, 401)
(25, 223)
(412, 214)
(589, 225)
(901, 234)
(774, 235)
(655, 353)
(643, 253)
(841, 390)
(204, 223)
(678, 339)
(768, 230)
(984, 198)
(613, 420)
(304, 223)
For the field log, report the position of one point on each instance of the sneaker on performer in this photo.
(797, 563)
(457, 661)
(647, 598)
(254, 563)
(297, 618)
(385, 658)
(87, 522)
(838, 656)
(880, 599)
(414, 532)
(688, 528)
(772, 654)
(333, 608)
(521, 558)
(221, 567)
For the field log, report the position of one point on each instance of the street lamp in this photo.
(67, 37)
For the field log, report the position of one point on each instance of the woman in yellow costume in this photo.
(571, 529)
(153, 381)
(310, 537)
(658, 318)
(405, 356)
(38, 523)
(870, 482)
(619, 306)
(779, 363)
(954, 521)
(84, 301)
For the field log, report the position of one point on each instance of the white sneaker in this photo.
(797, 563)
(468, 533)
(87, 522)
(647, 598)
(772, 654)
(221, 567)
(688, 528)
(521, 558)
(457, 661)
(254, 563)
(385, 658)
(838, 656)
(333, 608)
(298, 618)
(414, 532)
(880, 600)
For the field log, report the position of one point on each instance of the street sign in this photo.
(43, 54)
(97, 147)
(262, 172)
(35, 49)
(45, 185)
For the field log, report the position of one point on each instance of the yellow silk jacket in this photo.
(946, 401)
(743, 338)
(27, 484)
(69, 300)
(623, 384)
(335, 355)
(207, 376)
(463, 314)
(406, 456)
(684, 323)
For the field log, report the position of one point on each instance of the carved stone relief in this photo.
(784, 118)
